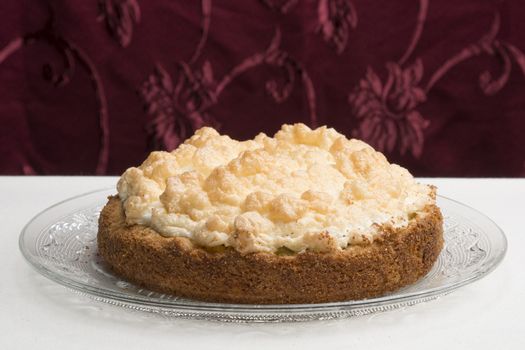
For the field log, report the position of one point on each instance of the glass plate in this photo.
(61, 244)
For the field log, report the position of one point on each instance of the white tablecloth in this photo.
(37, 313)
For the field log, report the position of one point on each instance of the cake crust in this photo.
(175, 265)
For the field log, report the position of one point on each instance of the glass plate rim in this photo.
(203, 306)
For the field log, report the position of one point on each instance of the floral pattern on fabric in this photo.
(91, 87)
(120, 17)
(387, 111)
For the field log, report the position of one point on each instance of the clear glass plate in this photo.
(61, 244)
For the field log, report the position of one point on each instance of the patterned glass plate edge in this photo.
(495, 246)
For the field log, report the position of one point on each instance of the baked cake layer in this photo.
(396, 258)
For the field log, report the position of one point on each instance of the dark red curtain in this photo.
(92, 86)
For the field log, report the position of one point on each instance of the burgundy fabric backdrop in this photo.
(91, 86)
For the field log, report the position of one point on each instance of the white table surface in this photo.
(37, 313)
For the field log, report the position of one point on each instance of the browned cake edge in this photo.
(175, 265)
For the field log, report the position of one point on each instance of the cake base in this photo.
(176, 266)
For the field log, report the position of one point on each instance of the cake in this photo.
(306, 216)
